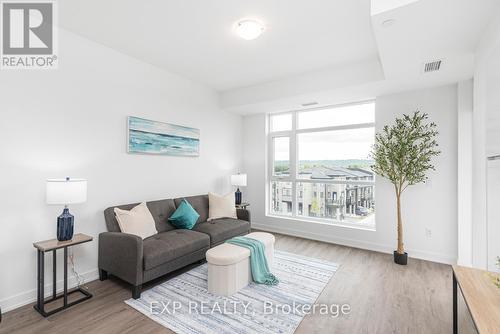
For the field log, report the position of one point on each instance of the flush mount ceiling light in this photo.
(249, 29)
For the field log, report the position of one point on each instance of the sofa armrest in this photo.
(121, 254)
(243, 214)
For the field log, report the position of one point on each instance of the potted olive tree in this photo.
(402, 153)
(495, 277)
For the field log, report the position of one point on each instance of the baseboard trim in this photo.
(28, 297)
(388, 249)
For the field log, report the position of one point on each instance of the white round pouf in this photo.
(229, 265)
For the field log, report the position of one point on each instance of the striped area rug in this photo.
(184, 305)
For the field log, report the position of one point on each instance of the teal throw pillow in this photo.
(185, 216)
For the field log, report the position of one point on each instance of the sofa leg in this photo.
(103, 275)
(136, 291)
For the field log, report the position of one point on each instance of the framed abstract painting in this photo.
(152, 137)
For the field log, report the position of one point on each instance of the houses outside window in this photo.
(320, 167)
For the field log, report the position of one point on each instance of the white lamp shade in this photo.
(66, 191)
(239, 180)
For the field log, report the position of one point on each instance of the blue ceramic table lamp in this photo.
(238, 180)
(64, 192)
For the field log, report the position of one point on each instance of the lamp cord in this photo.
(80, 280)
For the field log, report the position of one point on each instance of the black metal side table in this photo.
(52, 246)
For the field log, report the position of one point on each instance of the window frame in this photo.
(293, 178)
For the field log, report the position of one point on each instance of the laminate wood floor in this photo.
(384, 298)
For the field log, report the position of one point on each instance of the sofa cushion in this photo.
(221, 206)
(222, 229)
(137, 221)
(185, 216)
(168, 246)
(199, 203)
(160, 210)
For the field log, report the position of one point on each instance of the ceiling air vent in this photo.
(432, 66)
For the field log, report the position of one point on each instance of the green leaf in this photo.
(403, 151)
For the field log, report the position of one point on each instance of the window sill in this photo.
(371, 227)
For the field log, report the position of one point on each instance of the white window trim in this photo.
(293, 177)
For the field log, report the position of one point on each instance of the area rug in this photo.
(184, 305)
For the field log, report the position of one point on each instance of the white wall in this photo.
(72, 122)
(432, 206)
(464, 165)
(485, 131)
(493, 194)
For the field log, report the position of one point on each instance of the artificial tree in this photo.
(495, 277)
(402, 153)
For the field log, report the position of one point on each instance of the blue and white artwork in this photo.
(146, 136)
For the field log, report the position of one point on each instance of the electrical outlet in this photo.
(428, 233)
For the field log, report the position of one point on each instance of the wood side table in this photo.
(53, 245)
(481, 296)
(242, 206)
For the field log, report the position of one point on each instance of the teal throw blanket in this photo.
(258, 261)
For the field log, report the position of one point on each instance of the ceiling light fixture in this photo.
(249, 29)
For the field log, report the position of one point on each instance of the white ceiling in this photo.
(428, 30)
(195, 38)
(326, 51)
(422, 30)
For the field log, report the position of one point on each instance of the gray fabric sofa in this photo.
(138, 261)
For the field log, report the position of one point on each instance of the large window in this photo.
(320, 164)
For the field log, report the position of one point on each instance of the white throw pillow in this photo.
(137, 221)
(221, 206)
